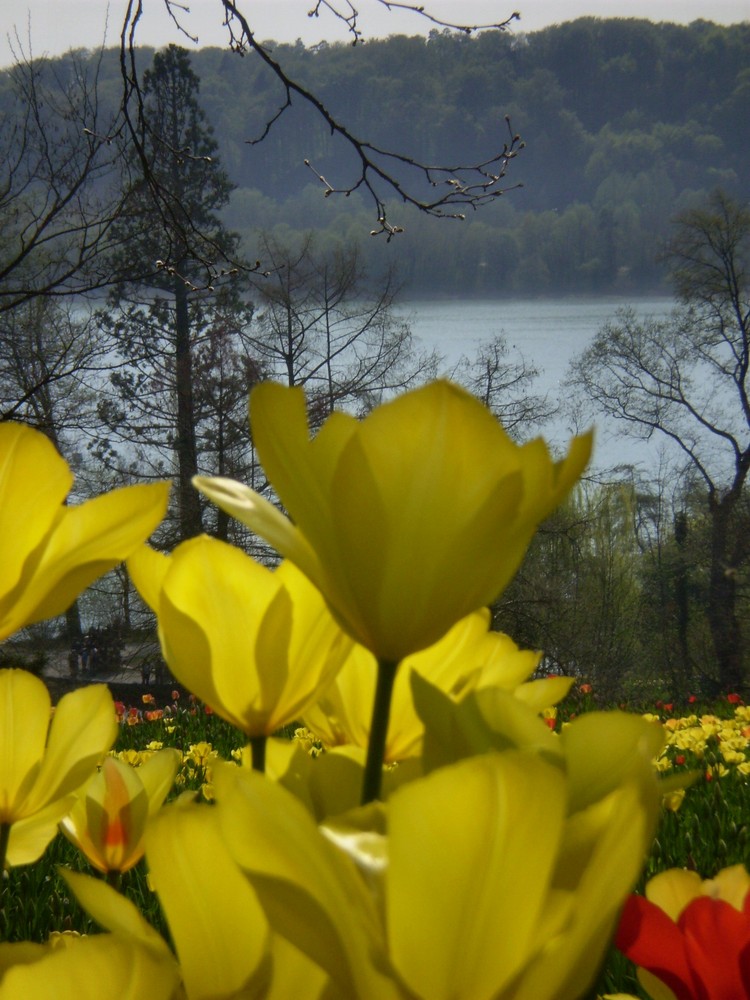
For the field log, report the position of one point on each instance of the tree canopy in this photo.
(625, 124)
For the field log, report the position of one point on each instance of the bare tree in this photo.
(504, 383)
(60, 181)
(53, 358)
(685, 380)
(317, 325)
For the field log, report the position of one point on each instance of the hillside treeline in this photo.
(626, 123)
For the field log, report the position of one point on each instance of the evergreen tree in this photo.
(177, 245)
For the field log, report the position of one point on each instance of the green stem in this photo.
(258, 753)
(4, 838)
(381, 711)
(114, 879)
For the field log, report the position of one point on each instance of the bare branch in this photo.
(349, 14)
(436, 189)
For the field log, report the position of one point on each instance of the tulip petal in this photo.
(544, 693)
(218, 927)
(147, 569)
(29, 467)
(115, 912)
(602, 855)
(672, 890)
(295, 976)
(101, 967)
(88, 540)
(157, 775)
(254, 511)
(654, 987)
(312, 894)
(300, 470)
(706, 923)
(464, 907)
(652, 940)
(83, 728)
(732, 885)
(25, 711)
(30, 836)
(601, 748)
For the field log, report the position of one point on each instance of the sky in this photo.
(52, 27)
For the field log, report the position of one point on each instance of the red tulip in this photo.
(690, 936)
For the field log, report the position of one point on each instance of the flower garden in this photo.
(359, 790)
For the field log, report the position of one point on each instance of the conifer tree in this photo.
(173, 237)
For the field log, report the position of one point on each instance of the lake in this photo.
(548, 334)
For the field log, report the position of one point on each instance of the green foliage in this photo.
(626, 122)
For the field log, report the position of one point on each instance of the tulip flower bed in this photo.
(705, 827)
(464, 836)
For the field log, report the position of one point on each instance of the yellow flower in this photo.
(100, 967)
(108, 821)
(406, 521)
(254, 644)
(674, 799)
(41, 771)
(466, 657)
(218, 927)
(220, 934)
(201, 753)
(499, 877)
(52, 552)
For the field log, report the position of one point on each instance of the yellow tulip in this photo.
(220, 934)
(466, 657)
(51, 552)
(312, 894)
(41, 771)
(499, 877)
(108, 821)
(253, 643)
(218, 927)
(100, 967)
(407, 520)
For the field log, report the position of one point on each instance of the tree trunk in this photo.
(188, 499)
(683, 673)
(726, 631)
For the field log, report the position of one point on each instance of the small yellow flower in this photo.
(108, 822)
(201, 753)
(673, 800)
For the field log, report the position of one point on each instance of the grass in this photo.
(709, 830)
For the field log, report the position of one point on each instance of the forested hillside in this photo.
(626, 122)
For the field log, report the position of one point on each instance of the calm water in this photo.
(548, 334)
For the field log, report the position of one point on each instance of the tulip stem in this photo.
(258, 753)
(114, 878)
(381, 711)
(4, 838)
